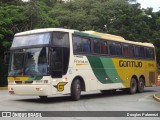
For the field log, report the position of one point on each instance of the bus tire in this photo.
(133, 86)
(76, 90)
(43, 97)
(141, 85)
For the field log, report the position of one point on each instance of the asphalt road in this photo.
(92, 101)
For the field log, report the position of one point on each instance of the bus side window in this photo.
(86, 45)
(104, 47)
(149, 53)
(77, 44)
(130, 51)
(125, 50)
(139, 52)
(142, 52)
(96, 46)
(118, 49)
(112, 49)
(115, 49)
(136, 52)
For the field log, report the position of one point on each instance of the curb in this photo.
(157, 97)
(3, 88)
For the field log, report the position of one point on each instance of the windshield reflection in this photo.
(32, 62)
(17, 64)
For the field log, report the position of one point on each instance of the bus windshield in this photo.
(29, 62)
(33, 39)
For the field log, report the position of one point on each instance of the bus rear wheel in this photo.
(133, 86)
(140, 85)
(76, 90)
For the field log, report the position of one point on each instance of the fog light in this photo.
(39, 89)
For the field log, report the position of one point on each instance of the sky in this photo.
(155, 4)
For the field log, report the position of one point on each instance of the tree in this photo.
(37, 14)
(119, 17)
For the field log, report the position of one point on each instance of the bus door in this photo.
(56, 62)
(60, 54)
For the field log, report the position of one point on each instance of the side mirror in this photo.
(6, 57)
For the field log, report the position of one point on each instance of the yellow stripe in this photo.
(18, 78)
(80, 64)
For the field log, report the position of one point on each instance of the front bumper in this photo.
(32, 90)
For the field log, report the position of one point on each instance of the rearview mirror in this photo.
(6, 57)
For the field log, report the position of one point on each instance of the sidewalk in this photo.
(157, 96)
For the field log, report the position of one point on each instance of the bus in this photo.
(50, 61)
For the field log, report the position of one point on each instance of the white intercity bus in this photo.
(46, 62)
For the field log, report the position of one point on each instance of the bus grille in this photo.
(23, 82)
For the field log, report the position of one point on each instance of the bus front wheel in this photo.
(76, 90)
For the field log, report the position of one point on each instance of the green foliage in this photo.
(119, 17)
(37, 12)
(112, 16)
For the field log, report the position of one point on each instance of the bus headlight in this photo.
(39, 89)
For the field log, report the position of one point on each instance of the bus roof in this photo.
(90, 33)
(117, 38)
(43, 30)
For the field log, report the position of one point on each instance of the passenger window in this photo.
(77, 44)
(130, 51)
(127, 50)
(142, 52)
(81, 44)
(136, 52)
(149, 52)
(96, 46)
(115, 49)
(104, 47)
(86, 45)
(139, 52)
